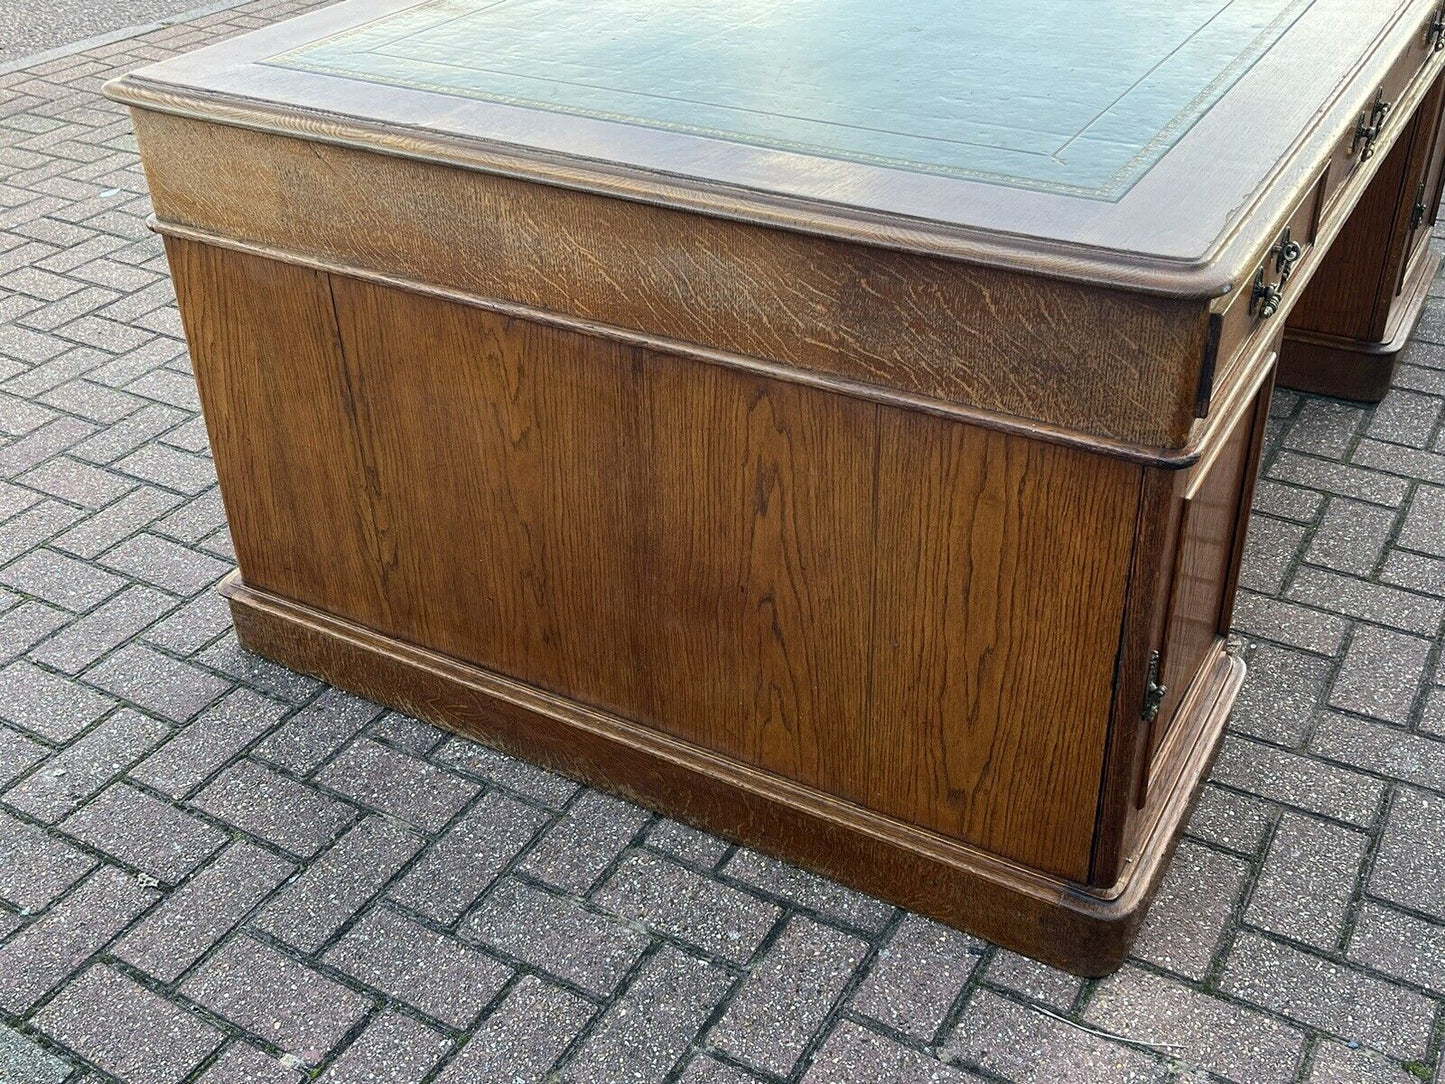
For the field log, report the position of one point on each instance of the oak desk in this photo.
(832, 424)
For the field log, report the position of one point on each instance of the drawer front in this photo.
(1251, 312)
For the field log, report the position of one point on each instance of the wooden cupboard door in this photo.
(1424, 209)
(1213, 515)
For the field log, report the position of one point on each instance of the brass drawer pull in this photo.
(1265, 299)
(1435, 36)
(1372, 123)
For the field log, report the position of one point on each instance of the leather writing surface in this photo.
(1074, 96)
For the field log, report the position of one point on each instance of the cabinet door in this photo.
(1429, 155)
(1212, 512)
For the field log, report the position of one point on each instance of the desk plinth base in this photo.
(1063, 924)
(1351, 369)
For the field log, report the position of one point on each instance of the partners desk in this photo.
(833, 424)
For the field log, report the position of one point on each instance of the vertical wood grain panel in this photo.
(1003, 565)
(912, 613)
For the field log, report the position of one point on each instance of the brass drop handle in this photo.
(1286, 254)
(1264, 301)
(1436, 34)
(1372, 123)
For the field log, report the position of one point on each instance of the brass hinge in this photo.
(1417, 216)
(1154, 693)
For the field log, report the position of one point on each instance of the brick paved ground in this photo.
(215, 870)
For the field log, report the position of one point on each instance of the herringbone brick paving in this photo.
(212, 869)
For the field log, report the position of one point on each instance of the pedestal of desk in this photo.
(1358, 312)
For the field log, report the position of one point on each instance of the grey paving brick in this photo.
(193, 625)
(317, 730)
(1291, 779)
(295, 817)
(575, 852)
(916, 977)
(671, 899)
(40, 444)
(1338, 1063)
(1404, 417)
(1339, 479)
(86, 765)
(462, 863)
(1324, 427)
(651, 1025)
(18, 754)
(522, 1038)
(1273, 545)
(705, 1069)
(809, 890)
(410, 735)
(556, 935)
(394, 1049)
(1020, 1044)
(242, 1063)
(1415, 572)
(538, 784)
(448, 980)
(115, 522)
(1399, 944)
(25, 625)
(1187, 921)
(1203, 1032)
(43, 954)
(202, 911)
(156, 682)
(76, 482)
(24, 1061)
(209, 741)
(47, 704)
(35, 866)
(195, 519)
(1410, 462)
(1376, 747)
(171, 469)
(125, 437)
(276, 998)
(60, 580)
(1284, 689)
(126, 1029)
(1367, 601)
(1381, 674)
(309, 911)
(1421, 530)
(1034, 980)
(687, 843)
(1320, 993)
(1287, 502)
(1351, 537)
(44, 575)
(1409, 867)
(787, 995)
(227, 656)
(1432, 719)
(1236, 822)
(401, 786)
(102, 630)
(139, 830)
(1308, 880)
(165, 564)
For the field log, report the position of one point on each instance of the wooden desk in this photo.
(833, 425)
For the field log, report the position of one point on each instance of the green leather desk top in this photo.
(1154, 144)
(1076, 96)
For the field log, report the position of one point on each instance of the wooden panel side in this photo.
(912, 613)
(1110, 363)
(267, 357)
(1003, 566)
